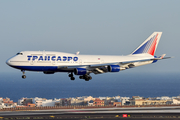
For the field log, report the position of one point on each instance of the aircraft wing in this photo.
(103, 68)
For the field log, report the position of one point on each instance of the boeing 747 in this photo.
(50, 62)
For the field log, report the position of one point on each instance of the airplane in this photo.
(50, 62)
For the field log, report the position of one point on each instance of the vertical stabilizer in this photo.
(149, 45)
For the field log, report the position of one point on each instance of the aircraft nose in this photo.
(8, 62)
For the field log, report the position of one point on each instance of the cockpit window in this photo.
(19, 54)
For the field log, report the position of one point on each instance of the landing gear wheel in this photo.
(23, 76)
(81, 77)
(86, 79)
(70, 75)
(72, 78)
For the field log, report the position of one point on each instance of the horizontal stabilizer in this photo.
(161, 57)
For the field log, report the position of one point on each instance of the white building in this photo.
(24, 101)
(88, 98)
(124, 100)
(1, 99)
(118, 98)
(38, 101)
(76, 101)
(176, 101)
(85, 98)
(102, 98)
(166, 98)
(49, 102)
(178, 97)
(7, 105)
(90, 103)
(20, 101)
(42, 102)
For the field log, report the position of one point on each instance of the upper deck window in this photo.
(19, 54)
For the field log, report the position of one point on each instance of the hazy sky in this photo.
(105, 27)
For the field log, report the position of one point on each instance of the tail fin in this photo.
(149, 45)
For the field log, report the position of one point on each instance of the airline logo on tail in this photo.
(149, 46)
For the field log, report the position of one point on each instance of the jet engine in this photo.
(113, 68)
(80, 71)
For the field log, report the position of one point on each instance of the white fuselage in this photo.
(28, 59)
(50, 62)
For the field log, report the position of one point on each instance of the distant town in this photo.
(89, 101)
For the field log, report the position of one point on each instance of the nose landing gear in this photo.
(23, 76)
(71, 76)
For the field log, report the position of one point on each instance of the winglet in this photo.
(149, 45)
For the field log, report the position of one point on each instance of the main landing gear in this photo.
(85, 77)
(71, 76)
(23, 76)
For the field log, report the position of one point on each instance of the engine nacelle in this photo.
(48, 72)
(80, 71)
(113, 68)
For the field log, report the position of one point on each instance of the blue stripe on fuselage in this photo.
(41, 68)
